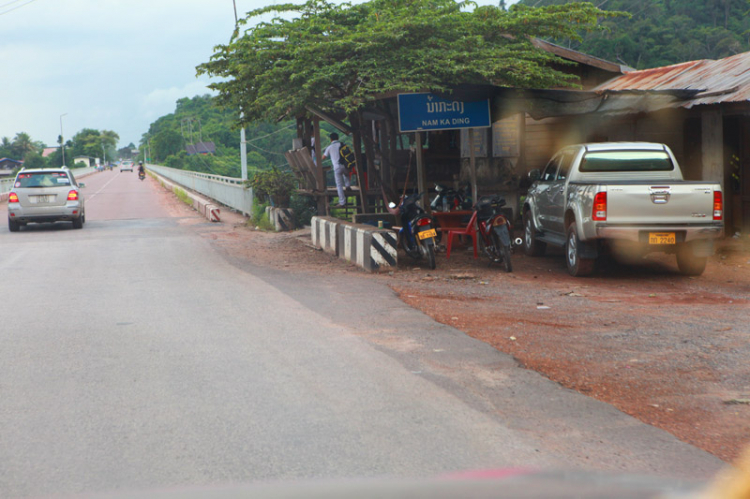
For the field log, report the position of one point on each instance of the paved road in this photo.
(133, 355)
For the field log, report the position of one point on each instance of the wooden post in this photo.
(370, 156)
(473, 167)
(322, 198)
(357, 141)
(421, 181)
(713, 149)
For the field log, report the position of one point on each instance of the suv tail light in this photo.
(718, 206)
(73, 196)
(599, 211)
(12, 197)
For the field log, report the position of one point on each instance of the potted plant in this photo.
(275, 185)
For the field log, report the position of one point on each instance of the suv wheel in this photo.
(78, 223)
(688, 263)
(577, 266)
(13, 226)
(531, 246)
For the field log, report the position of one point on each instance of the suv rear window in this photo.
(42, 179)
(626, 161)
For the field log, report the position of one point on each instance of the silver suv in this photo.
(45, 195)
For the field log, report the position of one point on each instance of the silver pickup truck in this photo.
(625, 197)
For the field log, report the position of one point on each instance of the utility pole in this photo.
(243, 141)
(62, 139)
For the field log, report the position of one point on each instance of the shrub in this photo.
(274, 185)
(304, 208)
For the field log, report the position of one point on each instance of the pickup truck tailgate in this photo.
(662, 203)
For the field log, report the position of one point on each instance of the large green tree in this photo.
(93, 143)
(341, 56)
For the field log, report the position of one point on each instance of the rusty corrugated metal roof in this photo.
(579, 57)
(725, 80)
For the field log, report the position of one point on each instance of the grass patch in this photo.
(183, 196)
(264, 223)
(260, 218)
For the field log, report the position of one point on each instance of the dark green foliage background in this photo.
(664, 32)
(169, 135)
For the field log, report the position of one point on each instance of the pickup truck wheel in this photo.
(577, 266)
(531, 246)
(688, 263)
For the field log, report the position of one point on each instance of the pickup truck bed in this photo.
(632, 200)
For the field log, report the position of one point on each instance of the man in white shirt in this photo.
(339, 170)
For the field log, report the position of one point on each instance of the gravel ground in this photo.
(669, 350)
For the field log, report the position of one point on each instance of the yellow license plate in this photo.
(427, 233)
(661, 238)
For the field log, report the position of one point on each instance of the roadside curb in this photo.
(200, 204)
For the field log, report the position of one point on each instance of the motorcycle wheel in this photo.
(502, 252)
(506, 259)
(428, 249)
(413, 251)
(438, 229)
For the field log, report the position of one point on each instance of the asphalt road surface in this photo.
(135, 356)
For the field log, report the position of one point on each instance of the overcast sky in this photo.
(106, 64)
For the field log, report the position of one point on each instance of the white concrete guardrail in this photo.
(228, 191)
(7, 183)
(366, 246)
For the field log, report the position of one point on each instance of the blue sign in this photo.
(425, 111)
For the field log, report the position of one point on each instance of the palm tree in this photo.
(22, 145)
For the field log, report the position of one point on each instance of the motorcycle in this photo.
(141, 175)
(495, 231)
(447, 198)
(418, 233)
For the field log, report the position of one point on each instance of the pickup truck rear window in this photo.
(626, 161)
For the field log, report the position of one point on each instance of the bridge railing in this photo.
(229, 191)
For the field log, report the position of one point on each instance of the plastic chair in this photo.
(469, 230)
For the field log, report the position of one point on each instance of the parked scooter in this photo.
(449, 199)
(495, 231)
(418, 232)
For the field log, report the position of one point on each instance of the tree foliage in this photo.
(94, 144)
(664, 32)
(342, 56)
(199, 119)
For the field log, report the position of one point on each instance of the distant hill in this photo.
(664, 32)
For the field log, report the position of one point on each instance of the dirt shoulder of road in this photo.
(670, 350)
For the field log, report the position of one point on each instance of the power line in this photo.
(9, 3)
(277, 131)
(248, 142)
(16, 7)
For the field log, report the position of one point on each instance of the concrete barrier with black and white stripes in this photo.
(281, 218)
(368, 247)
(324, 234)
